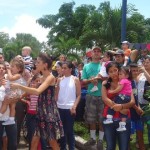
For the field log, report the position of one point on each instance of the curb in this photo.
(79, 142)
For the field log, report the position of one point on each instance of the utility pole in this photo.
(123, 22)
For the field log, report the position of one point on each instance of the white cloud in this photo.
(26, 24)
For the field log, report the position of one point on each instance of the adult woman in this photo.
(144, 78)
(68, 95)
(49, 124)
(10, 129)
(59, 69)
(111, 134)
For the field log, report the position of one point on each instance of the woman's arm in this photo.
(147, 75)
(119, 107)
(57, 89)
(50, 80)
(78, 95)
(78, 92)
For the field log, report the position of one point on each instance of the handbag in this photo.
(146, 94)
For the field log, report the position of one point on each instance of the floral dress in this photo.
(49, 123)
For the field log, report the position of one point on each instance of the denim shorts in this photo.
(93, 109)
(136, 126)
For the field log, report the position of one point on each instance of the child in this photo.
(108, 56)
(26, 51)
(31, 109)
(125, 47)
(123, 92)
(14, 74)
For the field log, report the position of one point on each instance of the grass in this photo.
(81, 129)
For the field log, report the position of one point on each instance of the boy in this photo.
(26, 51)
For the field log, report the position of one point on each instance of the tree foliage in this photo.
(13, 46)
(84, 26)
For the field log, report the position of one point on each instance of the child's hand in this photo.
(110, 91)
(94, 81)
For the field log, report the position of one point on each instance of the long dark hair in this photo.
(70, 66)
(109, 65)
(46, 58)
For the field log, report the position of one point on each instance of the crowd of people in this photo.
(47, 94)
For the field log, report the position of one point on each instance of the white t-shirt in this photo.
(103, 72)
(5, 115)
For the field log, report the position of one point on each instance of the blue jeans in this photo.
(112, 135)
(120, 99)
(68, 123)
(11, 132)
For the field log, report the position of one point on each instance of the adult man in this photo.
(94, 103)
(120, 57)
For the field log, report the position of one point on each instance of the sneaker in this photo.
(90, 142)
(108, 121)
(95, 88)
(8, 122)
(121, 129)
(121, 126)
(100, 145)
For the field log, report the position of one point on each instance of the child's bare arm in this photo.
(12, 77)
(117, 90)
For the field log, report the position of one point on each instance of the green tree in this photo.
(4, 39)
(14, 46)
(86, 25)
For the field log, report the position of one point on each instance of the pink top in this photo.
(33, 104)
(127, 88)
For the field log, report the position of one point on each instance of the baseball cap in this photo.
(125, 42)
(119, 52)
(96, 47)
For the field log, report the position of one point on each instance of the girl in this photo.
(123, 90)
(68, 95)
(49, 123)
(31, 110)
(14, 74)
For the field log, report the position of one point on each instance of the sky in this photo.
(19, 16)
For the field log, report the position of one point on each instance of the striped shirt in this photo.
(33, 104)
(28, 59)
